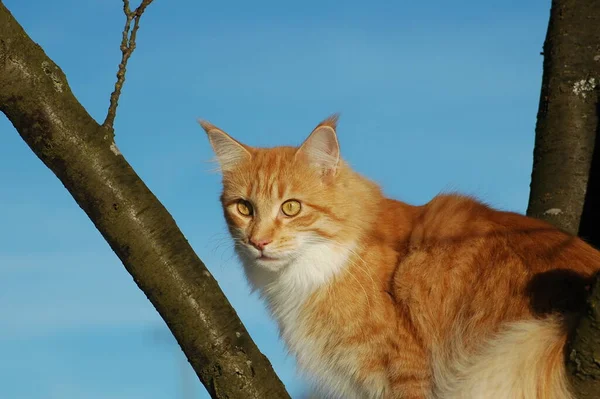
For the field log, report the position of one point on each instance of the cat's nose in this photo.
(260, 244)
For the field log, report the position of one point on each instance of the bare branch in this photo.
(127, 47)
(36, 98)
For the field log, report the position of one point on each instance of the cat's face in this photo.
(278, 202)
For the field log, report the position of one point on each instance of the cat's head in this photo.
(282, 202)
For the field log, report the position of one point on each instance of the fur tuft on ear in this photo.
(321, 148)
(229, 151)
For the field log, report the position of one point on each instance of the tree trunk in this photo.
(563, 189)
(567, 116)
(36, 98)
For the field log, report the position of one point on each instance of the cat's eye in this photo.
(244, 207)
(291, 207)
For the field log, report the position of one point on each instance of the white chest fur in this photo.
(286, 292)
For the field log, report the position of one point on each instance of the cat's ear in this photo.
(321, 148)
(228, 150)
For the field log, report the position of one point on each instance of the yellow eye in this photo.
(291, 207)
(244, 208)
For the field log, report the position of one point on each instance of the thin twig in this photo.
(127, 47)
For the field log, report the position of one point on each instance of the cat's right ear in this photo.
(228, 150)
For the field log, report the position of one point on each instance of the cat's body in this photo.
(379, 299)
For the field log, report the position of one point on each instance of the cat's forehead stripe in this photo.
(273, 191)
(280, 190)
(268, 177)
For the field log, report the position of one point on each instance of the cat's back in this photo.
(468, 262)
(456, 221)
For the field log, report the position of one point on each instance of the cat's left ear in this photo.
(321, 149)
(228, 150)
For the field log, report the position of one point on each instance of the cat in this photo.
(377, 298)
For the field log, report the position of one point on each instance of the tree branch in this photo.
(36, 98)
(127, 48)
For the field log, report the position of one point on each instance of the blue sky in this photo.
(434, 96)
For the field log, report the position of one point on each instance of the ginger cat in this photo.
(380, 299)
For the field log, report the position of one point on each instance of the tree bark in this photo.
(36, 98)
(563, 188)
(567, 117)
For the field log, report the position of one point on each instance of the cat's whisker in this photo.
(219, 244)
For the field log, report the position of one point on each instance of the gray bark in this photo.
(567, 116)
(561, 189)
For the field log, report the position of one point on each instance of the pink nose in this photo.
(260, 244)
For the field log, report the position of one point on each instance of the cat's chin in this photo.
(270, 264)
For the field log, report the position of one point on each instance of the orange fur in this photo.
(380, 299)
